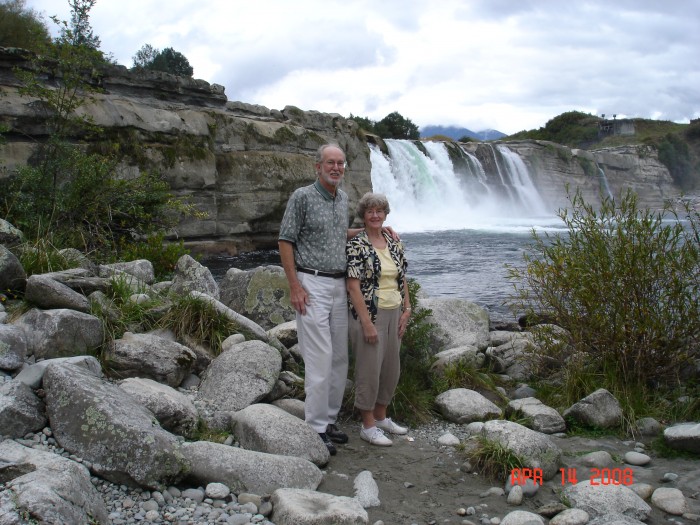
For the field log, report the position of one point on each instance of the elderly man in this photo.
(312, 240)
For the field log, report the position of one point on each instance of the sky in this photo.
(508, 65)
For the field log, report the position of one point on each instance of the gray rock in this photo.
(241, 376)
(535, 449)
(33, 375)
(101, 423)
(82, 280)
(467, 354)
(670, 500)
(515, 495)
(47, 487)
(599, 410)
(449, 440)
(21, 411)
(217, 491)
(12, 275)
(513, 357)
(13, 347)
(190, 276)
(48, 294)
(538, 416)
(294, 407)
(524, 391)
(462, 405)
(570, 517)
(9, 235)
(643, 490)
(306, 507)
(648, 426)
(266, 428)
(150, 356)
(174, 411)
(60, 333)
(522, 517)
(286, 333)
(684, 436)
(598, 500)
(246, 470)
(613, 518)
(261, 294)
(598, 459)
(636, 458)
(366, 490)
(142, 269)
(458, 323)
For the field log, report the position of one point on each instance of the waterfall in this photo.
(603, 181)
(445, 187)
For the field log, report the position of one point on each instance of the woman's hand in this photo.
(403, 322)
(370, 333)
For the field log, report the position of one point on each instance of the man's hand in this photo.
(390, 231)
(299, 298)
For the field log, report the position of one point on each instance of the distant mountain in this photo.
(457, 133)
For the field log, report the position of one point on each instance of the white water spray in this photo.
(426, 194)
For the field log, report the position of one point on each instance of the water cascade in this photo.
(603, 181)
(441, 186)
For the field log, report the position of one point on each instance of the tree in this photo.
(80, 32)
(168, 60)
(22, 27)
(395, 126)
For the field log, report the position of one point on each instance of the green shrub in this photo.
(493, 460)
(162, 254)
(625, 285)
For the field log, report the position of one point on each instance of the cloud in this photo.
(479, 64)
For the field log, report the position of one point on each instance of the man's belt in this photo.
(333, 275)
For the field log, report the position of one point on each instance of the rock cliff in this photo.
(239, 162)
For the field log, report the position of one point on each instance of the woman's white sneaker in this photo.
(387, 425)
(375, 436)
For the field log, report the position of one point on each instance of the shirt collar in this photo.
(325, 193)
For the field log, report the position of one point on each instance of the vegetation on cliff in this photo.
(393, 126)
(678, 144)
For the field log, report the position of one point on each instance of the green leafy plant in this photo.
(161, 253)
(624, 284)
(463, 374)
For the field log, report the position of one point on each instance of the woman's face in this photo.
(374, 217)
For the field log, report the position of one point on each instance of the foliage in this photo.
(22, 27)
(199, 321)
(162, 254)
(393, 126)
(493, 460)
(462, 374)
(675, 155)
(573, 128)
(624, 284)
(204, 433)
(414, 397)
(80, 201)
(80, 33)
(41, 256)
(168, 60)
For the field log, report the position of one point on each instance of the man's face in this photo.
(331, 169)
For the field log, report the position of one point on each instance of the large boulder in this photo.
(101, 423)
(241, 376)
(21, 411)
(306, 507)
(246, 470)
(150, 356)
(457, 323)
(261, 294)
(42, 487)
(462, 405)
(536, 450)
(13, 347)
(598, 410)
(174, 410)
(142, 269)
(60, 333)
(267, 428)
(48, 293)
(12, 275)
(598, 500)
(33, 375)
(9, 235)
(684, 436)
(190, 275)
(537, 415)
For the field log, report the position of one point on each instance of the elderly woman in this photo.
(380, 310)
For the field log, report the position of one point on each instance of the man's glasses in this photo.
(332, 163)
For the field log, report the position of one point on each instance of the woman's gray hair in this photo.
(372, 200)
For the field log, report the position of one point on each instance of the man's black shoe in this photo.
(330, 446)
(335, 434)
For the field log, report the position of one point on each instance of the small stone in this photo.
(408, 484)
(636, 458)
(515, 496)
(461, 511)
(669, 477)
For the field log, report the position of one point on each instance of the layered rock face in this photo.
(238, 163)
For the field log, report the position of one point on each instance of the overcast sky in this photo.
(502, 64)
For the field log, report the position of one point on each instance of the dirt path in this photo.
(422, 483)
